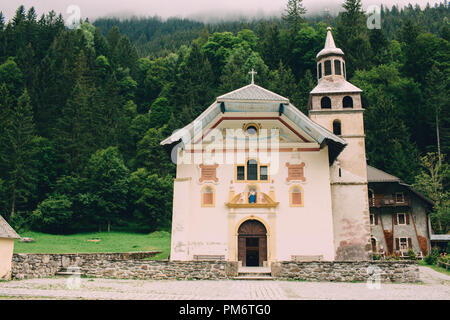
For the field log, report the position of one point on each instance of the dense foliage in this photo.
(82, 112)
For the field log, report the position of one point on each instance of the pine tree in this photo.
(17, 150)
(195, 81)
(76, 128)
(352, 37)
(294, 13)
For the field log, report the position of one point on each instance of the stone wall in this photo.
(119, 266)
(348, 271)
(37, 265)
(132, 266)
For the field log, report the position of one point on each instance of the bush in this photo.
(411, 254)
(54, 214)
(376, 257)
(432, 258)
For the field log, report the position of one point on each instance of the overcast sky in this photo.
(181, 8)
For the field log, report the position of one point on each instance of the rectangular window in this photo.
(241, 173)
(263, 173)
(337, 67)
(327, 67)
(252, 170)
(208, 198)
(320, 70)
(296, 198)
(399, 197)
(343, 67)
(401, 218)
(403, 243)
(372, 220)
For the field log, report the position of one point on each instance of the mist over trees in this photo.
(82, 112)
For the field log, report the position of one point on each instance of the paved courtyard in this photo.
(434, 286)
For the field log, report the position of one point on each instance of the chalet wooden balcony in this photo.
(380, 201)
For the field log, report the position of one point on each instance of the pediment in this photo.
(262, 201)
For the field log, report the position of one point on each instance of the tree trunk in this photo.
(13, 202)
(109, 226)
(438, 139)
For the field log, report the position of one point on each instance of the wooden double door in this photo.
(252, 243)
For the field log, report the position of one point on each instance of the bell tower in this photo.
(336, 105)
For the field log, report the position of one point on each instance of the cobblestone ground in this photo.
(434, 286)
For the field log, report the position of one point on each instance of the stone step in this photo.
(64, 272)
(253, 277)
(68, 274)
(256, 274)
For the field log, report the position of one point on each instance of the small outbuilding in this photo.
(7, 236)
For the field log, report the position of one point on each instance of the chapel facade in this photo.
(258, 181)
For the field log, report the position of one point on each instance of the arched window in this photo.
(347, 102)
(208, 196)
(296, 196)
(337, 67)
(327, 67)
(325, 103)
(252, 170)
(319, 71)
(337, 127)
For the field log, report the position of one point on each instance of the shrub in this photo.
(376, 257)
(432, 258)
(411, 254)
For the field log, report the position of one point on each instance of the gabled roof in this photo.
(252, 92)
(330, 85)
(330, 47)
(239, 100)
(6, 231)
(376, 175)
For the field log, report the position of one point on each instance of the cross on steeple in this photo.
(253, 72)
(327, 12)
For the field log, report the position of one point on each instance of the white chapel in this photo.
(258, 181)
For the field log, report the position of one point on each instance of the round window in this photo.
(251, 130)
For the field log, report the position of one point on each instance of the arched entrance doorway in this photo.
(252, 243)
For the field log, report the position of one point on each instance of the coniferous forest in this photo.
(83, 111)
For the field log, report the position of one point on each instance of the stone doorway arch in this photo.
(252, 243)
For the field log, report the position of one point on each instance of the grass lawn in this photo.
(435, 268)
(109, 242)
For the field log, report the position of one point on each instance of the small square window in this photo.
(401, 218)
(263, 173)
(241, 173)
(399, 197)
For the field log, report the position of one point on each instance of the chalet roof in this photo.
(376, 175)
(330, 46)
(252, 92)
(440, 237)
(6, 231)
(330, 85)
